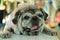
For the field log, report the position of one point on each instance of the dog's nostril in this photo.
(34, 18)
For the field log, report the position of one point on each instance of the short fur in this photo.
(23, 19)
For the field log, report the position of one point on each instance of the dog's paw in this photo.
(5, 35)
(51, 33)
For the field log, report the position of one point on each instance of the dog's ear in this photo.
(44, 13)
(17, 14)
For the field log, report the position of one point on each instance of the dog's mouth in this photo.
(34, 27)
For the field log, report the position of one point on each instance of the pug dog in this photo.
(26, 20)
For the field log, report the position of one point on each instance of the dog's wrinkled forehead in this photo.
(29, 12)
(32, 11)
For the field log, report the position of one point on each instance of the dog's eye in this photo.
(40, 15)
(26, 17)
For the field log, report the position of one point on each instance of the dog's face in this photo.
(31, 18)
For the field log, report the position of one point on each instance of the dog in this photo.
(26, 20)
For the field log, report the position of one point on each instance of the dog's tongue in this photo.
(34, 27)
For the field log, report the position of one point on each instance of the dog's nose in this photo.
(34, 18)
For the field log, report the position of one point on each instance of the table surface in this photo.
(24, 37)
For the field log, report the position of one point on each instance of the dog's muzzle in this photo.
(35, 23)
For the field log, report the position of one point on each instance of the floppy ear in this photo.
(45, 16)
(17, 14)
(44, 13)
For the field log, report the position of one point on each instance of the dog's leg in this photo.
(15, 28)
(20, 30)
(50, 31)
(5, 33)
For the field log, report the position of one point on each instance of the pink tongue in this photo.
(34, 27)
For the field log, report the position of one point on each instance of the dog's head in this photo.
(30, 17)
